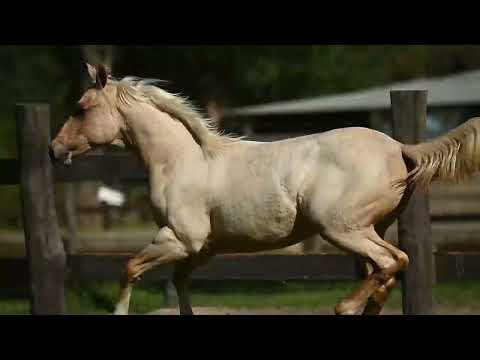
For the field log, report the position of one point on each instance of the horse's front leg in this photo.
(123, 303)
(181, 278)
(165, 249)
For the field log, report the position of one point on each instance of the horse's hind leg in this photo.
(166, 248)
(386, 259)
(378, 299)
(376, 302)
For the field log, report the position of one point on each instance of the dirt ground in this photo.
(295, 311)
(239, 311)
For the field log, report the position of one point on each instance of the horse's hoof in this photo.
(120, 312)
(347, 308)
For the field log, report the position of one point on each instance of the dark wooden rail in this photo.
(449, 267)
(90, 167)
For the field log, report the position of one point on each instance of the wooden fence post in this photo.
(44, 247)
(409, 110)
(71, 218)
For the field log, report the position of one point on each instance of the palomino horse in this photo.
(215, 194)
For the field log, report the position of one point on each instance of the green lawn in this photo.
(98, 298)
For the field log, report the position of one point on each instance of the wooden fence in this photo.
(48, 265)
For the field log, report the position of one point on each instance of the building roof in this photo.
(461, 89)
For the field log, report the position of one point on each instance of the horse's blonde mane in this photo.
(203, 129)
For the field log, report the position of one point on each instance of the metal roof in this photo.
(461, 89)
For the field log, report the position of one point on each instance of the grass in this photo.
(99, 298)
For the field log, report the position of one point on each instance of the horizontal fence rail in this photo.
(323, 267)
(90, 167)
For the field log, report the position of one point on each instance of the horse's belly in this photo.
(257, 224)
(229, 245)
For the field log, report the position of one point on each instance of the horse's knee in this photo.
(132, 268)
(191, 244)
(164, 236)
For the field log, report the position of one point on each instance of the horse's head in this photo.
(95, 122)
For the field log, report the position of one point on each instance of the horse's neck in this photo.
(159, 139)
(169, 152)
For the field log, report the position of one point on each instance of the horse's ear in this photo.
(92, 71)
(102, 76)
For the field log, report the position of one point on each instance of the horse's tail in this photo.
(453, 157)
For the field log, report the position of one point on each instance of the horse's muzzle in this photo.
(59, 155)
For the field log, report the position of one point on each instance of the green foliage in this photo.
(242, 75)
(28, 74)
